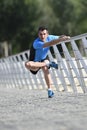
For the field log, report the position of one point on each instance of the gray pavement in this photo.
(32, 110)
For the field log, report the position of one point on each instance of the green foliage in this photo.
(19, 19)
(64, 11)
(17, 22)
(11, 19)
(82, 19)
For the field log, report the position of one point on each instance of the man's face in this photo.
(43, 35)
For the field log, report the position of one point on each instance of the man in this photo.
(38, 55)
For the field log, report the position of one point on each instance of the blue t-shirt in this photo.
(40, 52)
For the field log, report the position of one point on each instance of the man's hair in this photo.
(41, 28)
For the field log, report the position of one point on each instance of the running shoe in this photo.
(53, 64)
(50, 93)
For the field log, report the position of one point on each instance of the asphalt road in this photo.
(33, 110)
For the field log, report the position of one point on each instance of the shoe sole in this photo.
(51, 96)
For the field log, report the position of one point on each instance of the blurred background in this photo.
(20, 19)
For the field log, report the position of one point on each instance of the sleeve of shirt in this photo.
(52, 37)
(38, 44)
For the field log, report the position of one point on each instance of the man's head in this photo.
(43, 33)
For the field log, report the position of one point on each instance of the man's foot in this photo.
(50, 93)
(53, 64)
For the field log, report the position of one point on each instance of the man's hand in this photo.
(64, 37)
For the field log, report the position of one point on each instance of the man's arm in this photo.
(53, 42)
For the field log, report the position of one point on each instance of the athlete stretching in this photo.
(38, 55)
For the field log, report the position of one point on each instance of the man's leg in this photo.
(34, 65)
(48, 80)
(31, 65)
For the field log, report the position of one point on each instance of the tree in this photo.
(17, 22)
(82, 19)
(64, 12)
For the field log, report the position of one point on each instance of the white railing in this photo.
(71, 75)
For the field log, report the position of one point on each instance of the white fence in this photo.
(71, 75)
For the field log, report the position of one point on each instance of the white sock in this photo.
(47, 63)
(49, 89)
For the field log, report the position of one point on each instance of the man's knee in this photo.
(27, 64)
(45, 69)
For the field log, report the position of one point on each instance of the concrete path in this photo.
(32, 110)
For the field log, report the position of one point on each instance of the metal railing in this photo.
(71, 75)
